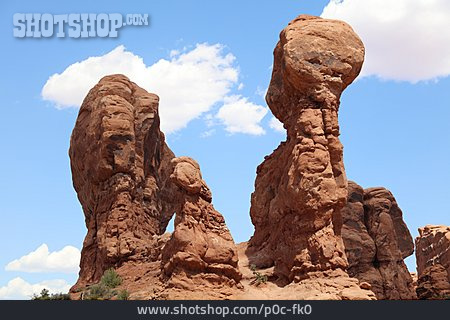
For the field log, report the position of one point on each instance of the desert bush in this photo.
(45, 295)
(104, 290)
(98, 292)
(123, 295)
(259, 278)
(111, 279)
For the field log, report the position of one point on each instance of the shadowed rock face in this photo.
(120, 168)
(433, 262)
(301, 187)
(376, 241)
(201, 249)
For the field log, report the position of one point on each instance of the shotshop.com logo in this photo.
(74, 25)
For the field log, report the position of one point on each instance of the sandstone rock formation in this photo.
(120, 168)
(301, 187)
(376, 241)
(433, 262)
(201, 250)
(130, 184)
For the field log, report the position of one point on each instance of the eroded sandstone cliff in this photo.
(376, 241)
(120, 167)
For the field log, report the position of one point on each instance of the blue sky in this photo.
(394, 119)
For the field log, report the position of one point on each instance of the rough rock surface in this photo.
(201, 250)
(130, 184)
(301, 187)
(120, 168)
(320, 285)
(433, 261)
(376, 241)
(433, 283)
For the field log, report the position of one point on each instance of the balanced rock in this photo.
(433, 262)
(301, 187)
(120, 168)
(201, 251)
(377, 241)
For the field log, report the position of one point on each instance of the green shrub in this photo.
(98, 292)
(111, 279)
(60, 296)
(123, 295)
(45, 295)
(104, 289)
(259, 278)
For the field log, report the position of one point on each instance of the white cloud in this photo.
(19, 289)
(241, 116)
(188, 84)
(276, 125)
(41, 260)
(405, 40)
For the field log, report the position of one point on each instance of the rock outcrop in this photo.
(376, 241)
(201, 251)
(433, 283)
(130, 184)
(433, 262)
(301, 187)
(120, 167)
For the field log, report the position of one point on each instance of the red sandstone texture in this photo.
(120, 168)
(201, 250)
(376, 241)
(130, 184)
(433, 262)
(301, 187)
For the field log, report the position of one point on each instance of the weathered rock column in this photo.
(201, 251)
(120, 169)
(301, 187)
